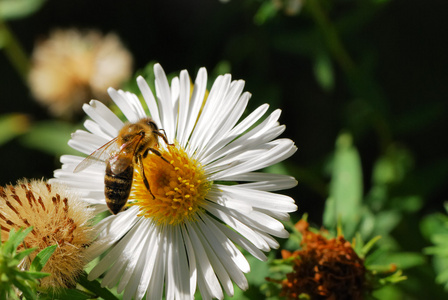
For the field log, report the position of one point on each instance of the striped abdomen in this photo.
(117, 187)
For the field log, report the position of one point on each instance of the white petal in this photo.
(155, 289)
(175, 92)
(236, 131)
(86, 142)
(259, 199)
(139, 280)
(114, 274)
(164, 95)
(97, 130)
(151, 249)
(248, 140)
(112, 229)
(272, 242)
(235, 262)
(209, 119)
(115, 253)
(131, 253)
(206, 273)
(261, 222)
(150, 100)
(218, 197)
(281, 216)
(103, 116)
(124, 103)
(224, 215)
(197, 98)
(184, 98)
(279, 150)
(221, 123)
(170, 280)
(216, 264)
(217, 141)
(180, 264)
(264, 181)
(241, 241)
(191, 261)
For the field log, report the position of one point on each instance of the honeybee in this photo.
(131, 146)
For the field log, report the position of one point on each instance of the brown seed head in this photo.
(324, 268)
(58, 217)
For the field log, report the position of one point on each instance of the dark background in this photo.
(401, 47)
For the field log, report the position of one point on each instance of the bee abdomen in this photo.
(117, 188)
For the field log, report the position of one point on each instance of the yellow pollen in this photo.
(179, 187)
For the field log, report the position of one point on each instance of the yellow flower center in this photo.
(178, 187)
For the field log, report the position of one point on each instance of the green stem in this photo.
(14, 51)
(361, 85)
(331, 36)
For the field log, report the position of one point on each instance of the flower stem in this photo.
(14, 51)
(331, 36)
(361, 84)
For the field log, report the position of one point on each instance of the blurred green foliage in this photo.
(16, 9)
(362, 86)
(435, 228)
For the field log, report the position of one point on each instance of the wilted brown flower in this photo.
(71, 67)
(57, 217)
(324, 268)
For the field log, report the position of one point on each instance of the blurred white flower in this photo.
(207, 201)
(72, 66)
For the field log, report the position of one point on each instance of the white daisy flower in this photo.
(208, 200)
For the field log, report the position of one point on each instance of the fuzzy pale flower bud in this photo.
(71, 67)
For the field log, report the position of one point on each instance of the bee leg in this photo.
(156, 152)
(163, 136)
(142, 169)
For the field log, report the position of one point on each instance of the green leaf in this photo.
(37, 275)
(344, 202)
(258, 270)
(323, 71)
(367, 224)
(222, 67)
(367, 247)
(393, 166)
(72, 294)
(386, 221)
(12, 125)
(25, 289)
(404, 260)
(15, 238)
(267, 11)
(41, 258)
(50, 137)
(14, 9)
(22, 254)
(95, 287)
(434, 224)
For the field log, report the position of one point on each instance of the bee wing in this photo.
(125, 157)
(97, 156)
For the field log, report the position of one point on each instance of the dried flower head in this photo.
(57, 218)
(71, 67)
(324, 268)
